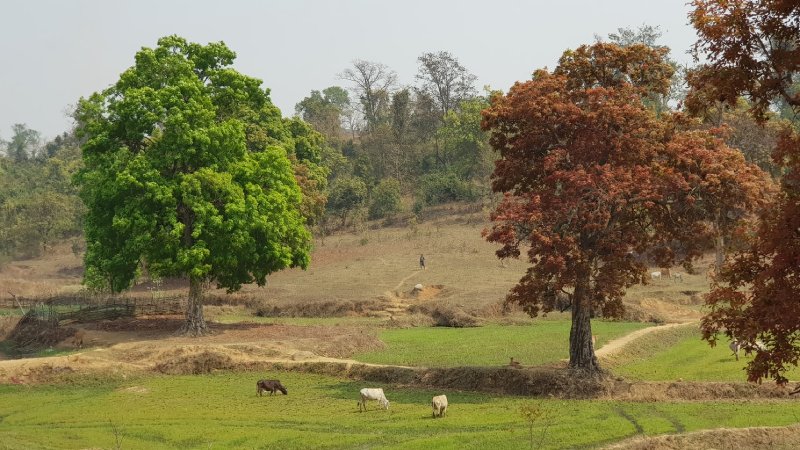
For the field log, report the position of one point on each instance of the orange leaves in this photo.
(591, 175)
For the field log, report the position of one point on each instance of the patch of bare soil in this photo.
(746, 438)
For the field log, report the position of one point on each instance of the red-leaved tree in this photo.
(753, 50)
(595, 184)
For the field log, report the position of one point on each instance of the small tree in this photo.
(591, 176)
(348, 194)
(186, 169)
(385, 199)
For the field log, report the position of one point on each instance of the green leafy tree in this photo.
(187, 169)
(324, 111)
(348, 194)
(465, 146)
(385, 200)
(24, 143)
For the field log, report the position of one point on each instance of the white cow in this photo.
(372, 394)
(748, 347)
(676, 276)
(655, 275)
(439, 405)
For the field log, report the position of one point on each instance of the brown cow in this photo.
(271, 386)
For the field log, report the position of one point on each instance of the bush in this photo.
(385, 199)
(447, 316)
(443, 187)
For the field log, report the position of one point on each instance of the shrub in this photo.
(385, 199)
(443, 187)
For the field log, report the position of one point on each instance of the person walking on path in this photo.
(422, 261)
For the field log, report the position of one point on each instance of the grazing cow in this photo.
(77, 338)
(439, 405)
(676, 276)
(271, 386)
(655, 275)
(748, 347)
(372, 394)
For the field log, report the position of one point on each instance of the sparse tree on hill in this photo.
(591, 174)
(445, 80)
(24, 143)
(752, 50)
(372, 84)
(186, 168)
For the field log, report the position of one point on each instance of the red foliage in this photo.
(592, 178)
(752, 49)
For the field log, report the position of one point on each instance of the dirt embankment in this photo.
(745, 438)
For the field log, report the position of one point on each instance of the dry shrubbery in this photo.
(331, 308)
(447, 315)
(31, 334)
(194, 364)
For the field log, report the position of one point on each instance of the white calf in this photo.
(372, 394)
(439, 405)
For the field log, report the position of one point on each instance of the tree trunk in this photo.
(581, 351)
(195, 324)
(719, 245)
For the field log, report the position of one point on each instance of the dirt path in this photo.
(618, 343)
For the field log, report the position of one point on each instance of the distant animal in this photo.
(271, 386)
(77, 338)
(655, 275)
(514, 364)
(676, 276)
(372, 394)
(439, 405)
(734, 346)
(748, 347)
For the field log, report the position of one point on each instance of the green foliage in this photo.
(385, 200)
(38, 204)
(347, 195)
(465, 146)
(24, 143)
(442, 187)
(187, 168)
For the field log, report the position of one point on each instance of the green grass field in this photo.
(680, 353)
(222, 411)
(542, 342)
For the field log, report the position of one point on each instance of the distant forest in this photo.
(387, 150)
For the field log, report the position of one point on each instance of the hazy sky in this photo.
(55, 51)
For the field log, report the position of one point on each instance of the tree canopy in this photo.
(592, 177)
(187, 170)
(752, 50)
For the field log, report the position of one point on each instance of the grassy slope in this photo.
(542, 342)
(680, 353)
(222, 411)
